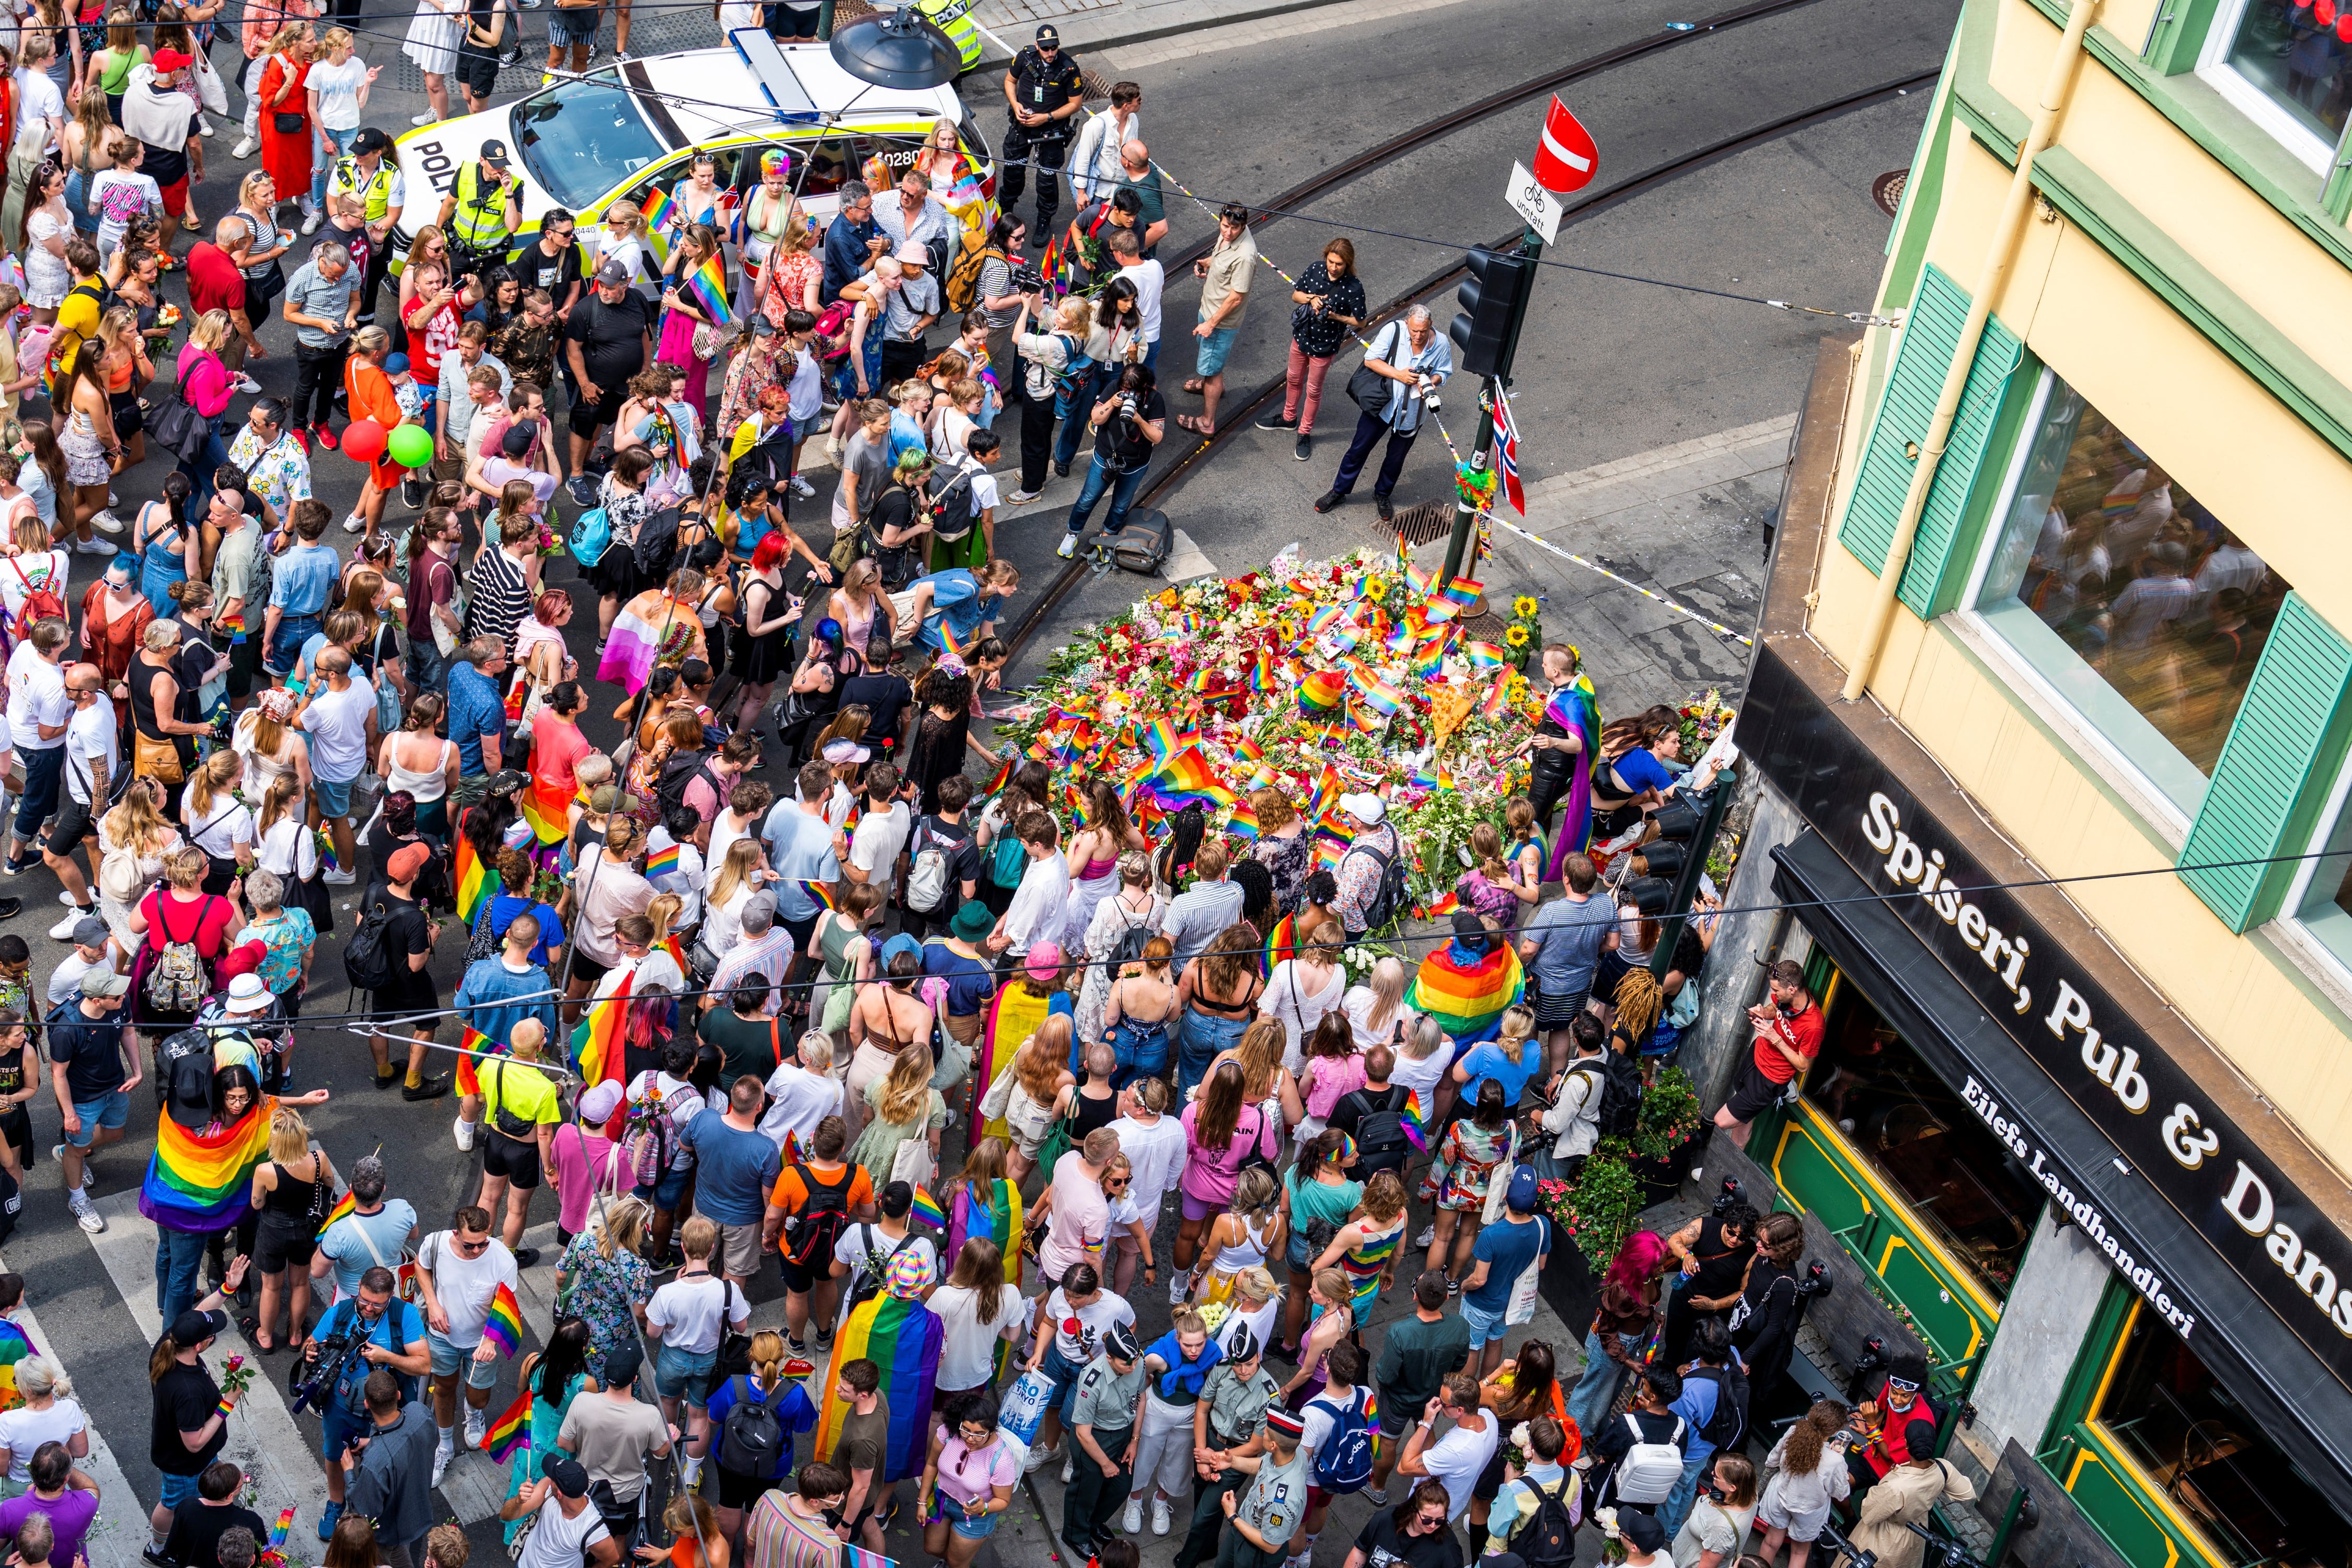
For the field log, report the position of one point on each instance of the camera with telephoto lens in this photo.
(1815, 1282)
(1126, 406)
(312, 1382)
(1028, 277)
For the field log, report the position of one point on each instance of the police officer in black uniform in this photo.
(1044, 93)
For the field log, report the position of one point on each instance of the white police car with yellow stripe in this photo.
(585, 142)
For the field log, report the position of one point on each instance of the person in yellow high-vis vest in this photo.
(368, 176)
(482, 213)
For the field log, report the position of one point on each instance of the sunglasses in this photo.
(1905, 1386)
(471, 1248)
(1116, 1186)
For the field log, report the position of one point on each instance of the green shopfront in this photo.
(2062, 1216)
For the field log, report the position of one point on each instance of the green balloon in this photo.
(412, 446)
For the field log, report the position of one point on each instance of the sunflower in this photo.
(1516, 635)
(1524, 607)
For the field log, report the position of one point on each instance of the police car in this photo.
(583, 142)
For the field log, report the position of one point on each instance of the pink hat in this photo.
(1043, 963)
(170, 60)
(913, 252)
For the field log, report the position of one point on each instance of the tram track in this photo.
(1241, 413)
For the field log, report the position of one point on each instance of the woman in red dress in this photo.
(286, 114)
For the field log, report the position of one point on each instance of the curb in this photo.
(991, 57)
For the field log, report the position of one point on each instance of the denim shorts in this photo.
(448, 1358)
(683, 1373)
(334, 796)
(113, 1110)
(1209, 358)
(577, 25)
(665, 1194)
(978, 1529)
(178, 1490)
(338, 1430)
(1484, 1327)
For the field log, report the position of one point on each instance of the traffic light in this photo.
(1492, 301)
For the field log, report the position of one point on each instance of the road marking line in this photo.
(119, 1532)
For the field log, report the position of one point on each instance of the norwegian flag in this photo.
(1507, 452)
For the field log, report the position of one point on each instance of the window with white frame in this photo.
(2319, 900)
(2285, 70)
(2125, 599)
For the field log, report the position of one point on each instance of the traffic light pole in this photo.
(1466, 515)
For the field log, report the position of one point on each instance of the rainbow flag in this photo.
(511, 1430)
(1467, 996)
(1497, 700)
(1439, 907)
(822, 893)
(1243, 824)
(659, 210)
(995, 786)
(200, 1182)
(596, 1042)
(1186, 777)
(1462, 590)
(345, 1204)
(661, 862)
(707, 284)
(996, 1218)
(504, 1326)
(1484, 657)
(902, 1339)
(1374, 703)
(469, 1068)
(1576, 709)
(285, 1525)
(473, 881)
(1159, 738)
(1282, 941)
(1321, 696)
(1416, 1121)
(927, 1210)
(546, 811)
(14, 1346)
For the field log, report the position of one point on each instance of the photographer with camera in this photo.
(1127, 423)
(359, 1335)
(1415, 356)
(392, 1468)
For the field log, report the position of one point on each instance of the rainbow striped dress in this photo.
(1362, 1265)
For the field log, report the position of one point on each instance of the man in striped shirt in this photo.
(787, 1530)
(764, 955)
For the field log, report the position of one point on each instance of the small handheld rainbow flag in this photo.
(279, 1531)
(511, 1430)
(707, 284)
(659, 210)
(470, 1066)
(822, 893)
(928, 1209)
(504, 1326)
(345, 1205)
(1416, 1121)
(661, 862)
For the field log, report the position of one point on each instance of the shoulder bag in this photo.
(1368, 389)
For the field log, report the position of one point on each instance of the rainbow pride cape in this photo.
(200, 1182)
(596, 1041)
(504, 1326)
(1467, 995)
(14, 1346)
(1013, 1015)
(475, 884)
(1576, 710)
(630, 652)
(994, 1216)
(902, 1339)
(547, 810)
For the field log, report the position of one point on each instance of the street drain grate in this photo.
(1887, 191)
(1097, 86)
(1432, 519)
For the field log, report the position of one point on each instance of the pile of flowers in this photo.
(1318, 678)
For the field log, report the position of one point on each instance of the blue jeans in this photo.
(1122, 488)
(179, 1256)
(285, 649)
(1369, 428)
(1597, 1389)
(1677, 1506)
(200, 473)
(1071, 409)
(320, 159)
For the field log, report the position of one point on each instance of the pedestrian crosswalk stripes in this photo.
(120, 1531)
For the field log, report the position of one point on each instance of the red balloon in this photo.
(2344, 25)
(2322, 12)
(363, 440)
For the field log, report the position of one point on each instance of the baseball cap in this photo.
(612, 275)
(1049, 36)
(1522, 1193)
(914, 253)
(494, 153)
(507, 781)
(568, 1475)
(191, 1327)
(1642, 1531)
(838, 751)
(1364, 808)
(170, 60)
(248, 995)
(624, 1363)
(406, 861)
(90, 931)
(395, 364)
(762, 328)
(518, 438)
(370, 139)
(599, 1103)
(104, 983)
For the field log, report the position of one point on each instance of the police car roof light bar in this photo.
(757, 48)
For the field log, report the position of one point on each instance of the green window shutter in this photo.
(2275, 768)
(1929, 338)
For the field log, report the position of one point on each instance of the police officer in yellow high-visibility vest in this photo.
(953, 17)
(481, 215)
(375, 181)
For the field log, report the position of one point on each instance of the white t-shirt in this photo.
(686, 1311)
(337, 723)
(65, 980)
(37, 97)
(880, 836)
(1456, 1459)
(37, 696)
(1260, 1324)
(968, 1349)
(1421, 1077)
(465, 1284)
(1155, 1154)
(338, 87)
(687, 879)
(20, 574)
(1148, 278)
(111, 229)
(1322, 1414)
(556, 1541)
(89, 745)
(23, 1429)
(1096, 1319)
(799, 1099)
(1358, 1004)
(218, 832)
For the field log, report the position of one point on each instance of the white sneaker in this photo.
(354, 523)
(113, 499)
(97, 547)
(1131, 1522)
(245, 148)
(1039, 1460)
(800, 487)
(1180, 1287)
(65, 927)
(441, 1458)
(64, 897)
(465, 1130)
(427, 118)
(478, 1426)
(339, 878)
(1023, 497)
(1160, 1520)
(89, 1218)
(247, 385)
(107, 522)
(311, 220)
(1427, 1238)
(1069, 547)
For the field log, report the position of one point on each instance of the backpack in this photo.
(658, 542)
(810, 1234)
(1727, 1428)
(175, 980)
(677, 773)
(1129, 948)
(40, 603)
(1343, 1463)
(867, 1283)
(963, 277)
(1649, 1470)
(1077, 368)
(1620, 1094)
(1548, 1539)
(1008, 861)
(591, 534)
(365, 963)
(1380, 1141)
(755, 1438)
(927, 878)
(953, 515)
(1388, 899)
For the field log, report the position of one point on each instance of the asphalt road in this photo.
(1607, 369)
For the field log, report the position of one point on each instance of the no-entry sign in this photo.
(1568, 157)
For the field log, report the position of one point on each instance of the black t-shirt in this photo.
(744, 1045)
(1385, 1546)
(477, 19)
(1045, 88)
(964, 858)
(168, 165)
(884, 697)
(556, 274)
(403, 934)
(1118, 440)
(612, 339)
(185, 1397)
(197, 1527)
(91, 1053)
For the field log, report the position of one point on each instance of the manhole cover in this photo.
(1887, 191)
(1420, 524)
